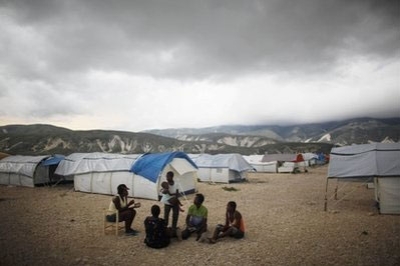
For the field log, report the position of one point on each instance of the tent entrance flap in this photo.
(181, 166)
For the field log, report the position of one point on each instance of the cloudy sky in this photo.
(137, 65)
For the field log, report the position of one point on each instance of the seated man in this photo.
(125, 209)
(157, 234)
(196, 219)
(234, 224)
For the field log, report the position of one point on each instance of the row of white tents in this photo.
(142, 173)
(81, 167)
(284, 163)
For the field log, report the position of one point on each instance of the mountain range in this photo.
(258, 139)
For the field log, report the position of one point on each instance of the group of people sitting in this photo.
(158, 234)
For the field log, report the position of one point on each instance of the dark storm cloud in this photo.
(208, 38)
(93, 63)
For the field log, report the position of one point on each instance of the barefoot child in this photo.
(234, 225)
(167, 198)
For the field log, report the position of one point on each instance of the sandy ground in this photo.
(286, 225)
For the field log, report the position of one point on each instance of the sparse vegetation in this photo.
(230, 189)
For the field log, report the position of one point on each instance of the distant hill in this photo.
(340, 133)
(47, 139)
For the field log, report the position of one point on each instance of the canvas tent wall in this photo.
(222, 168)
(287, 163)
(27, 171)
(263, 167)
(98, 172)
(150, 171)
(379, 162)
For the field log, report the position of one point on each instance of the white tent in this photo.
(98, 172)
(379, 162)
(26, 171)
(222, 168)
(263, 167)
(286, 163)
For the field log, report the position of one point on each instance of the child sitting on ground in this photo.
(169, 199)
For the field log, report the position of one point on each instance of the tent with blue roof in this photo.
(52, 163)
(150, 171)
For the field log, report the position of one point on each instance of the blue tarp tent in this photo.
(151, 165)
(150, 171)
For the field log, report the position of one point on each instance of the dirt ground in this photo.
(284, 215)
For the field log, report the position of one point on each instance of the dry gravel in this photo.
(286, 225)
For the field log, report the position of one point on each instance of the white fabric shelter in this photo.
(24, 171)
(98, 172)
(286, 163)
(222, 168)
(262, 167)
(379, 162)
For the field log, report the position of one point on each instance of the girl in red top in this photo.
(234, 224)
